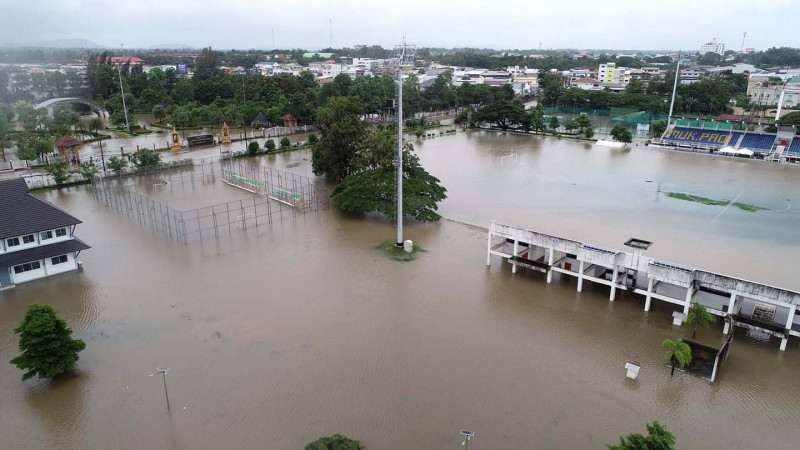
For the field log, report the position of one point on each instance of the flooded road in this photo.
(305, 329)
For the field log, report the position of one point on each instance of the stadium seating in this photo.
(696, 136)
(735, 137)
(794, 147)
(758, 142)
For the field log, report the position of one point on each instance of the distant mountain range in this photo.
(54, 43)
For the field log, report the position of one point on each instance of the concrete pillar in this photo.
(550, 263)
(688, 302)
(648, 298)
(514, 263)
(789, 320)
(613, 285)
(489, 249)
(731, 305)
(580, 276)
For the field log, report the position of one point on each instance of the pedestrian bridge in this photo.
(50, 104)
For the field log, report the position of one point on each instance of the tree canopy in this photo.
(339, 122)
(335, 442)
(658, 438)
(46, 343)
(371, 188)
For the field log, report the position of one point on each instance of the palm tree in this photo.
(677, 352)
(699, 315)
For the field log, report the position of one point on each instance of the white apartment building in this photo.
(713, 47)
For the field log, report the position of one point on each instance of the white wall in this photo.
(60, 268)
(27, 276)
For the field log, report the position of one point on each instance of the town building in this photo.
(37, 239)
(585, 83)
(132, 60)
(764, 92)
(692, 75)
(712, 47)
(610, 74)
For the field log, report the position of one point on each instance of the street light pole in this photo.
(163, 371)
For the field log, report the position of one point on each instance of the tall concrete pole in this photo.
(122, 90)
(674, 90)
(400, 149)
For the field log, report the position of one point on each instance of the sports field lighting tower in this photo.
(402, 56)
(674, 88)
(121, 89)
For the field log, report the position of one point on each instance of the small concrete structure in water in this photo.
(754, 306)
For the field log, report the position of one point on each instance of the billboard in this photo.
(182, 68)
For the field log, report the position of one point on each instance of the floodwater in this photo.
(304, 328)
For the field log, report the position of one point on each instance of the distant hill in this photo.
(54, 43)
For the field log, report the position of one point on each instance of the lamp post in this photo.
(163, 371)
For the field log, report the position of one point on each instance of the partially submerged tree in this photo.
(678, 352)
(622, 134)
(503, 112)
(58, 170)
(117, 164)
(658, 438)
(48, 349)
(699, 315)
(88, 170)
(342, 129)
(372, 186)
(335, 442)
(144, 157)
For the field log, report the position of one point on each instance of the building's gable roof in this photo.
(23, 213)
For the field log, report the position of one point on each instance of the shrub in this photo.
(312, 139)
(269, 145)
(252, 148)
(285, 142)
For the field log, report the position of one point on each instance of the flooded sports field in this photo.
(279, 334)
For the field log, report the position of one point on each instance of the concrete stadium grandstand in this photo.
(732, 139)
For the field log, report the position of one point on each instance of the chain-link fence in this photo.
(277, 194)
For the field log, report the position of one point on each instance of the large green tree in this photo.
(339, 122)
(503, 112)
(372, 187)
(622, 134)
(335, 442)
(658, 438)
(46, 343)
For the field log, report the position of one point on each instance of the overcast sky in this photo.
(620, 24)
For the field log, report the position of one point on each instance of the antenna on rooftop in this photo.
(402, 56)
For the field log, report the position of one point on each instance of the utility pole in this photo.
(121, 89)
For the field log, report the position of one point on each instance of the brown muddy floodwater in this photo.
(304, 328)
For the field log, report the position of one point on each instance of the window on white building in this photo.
(13, 242)
(28, 239)
(27, 267)
(61, 232)
(45, 235)
(59, 260)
